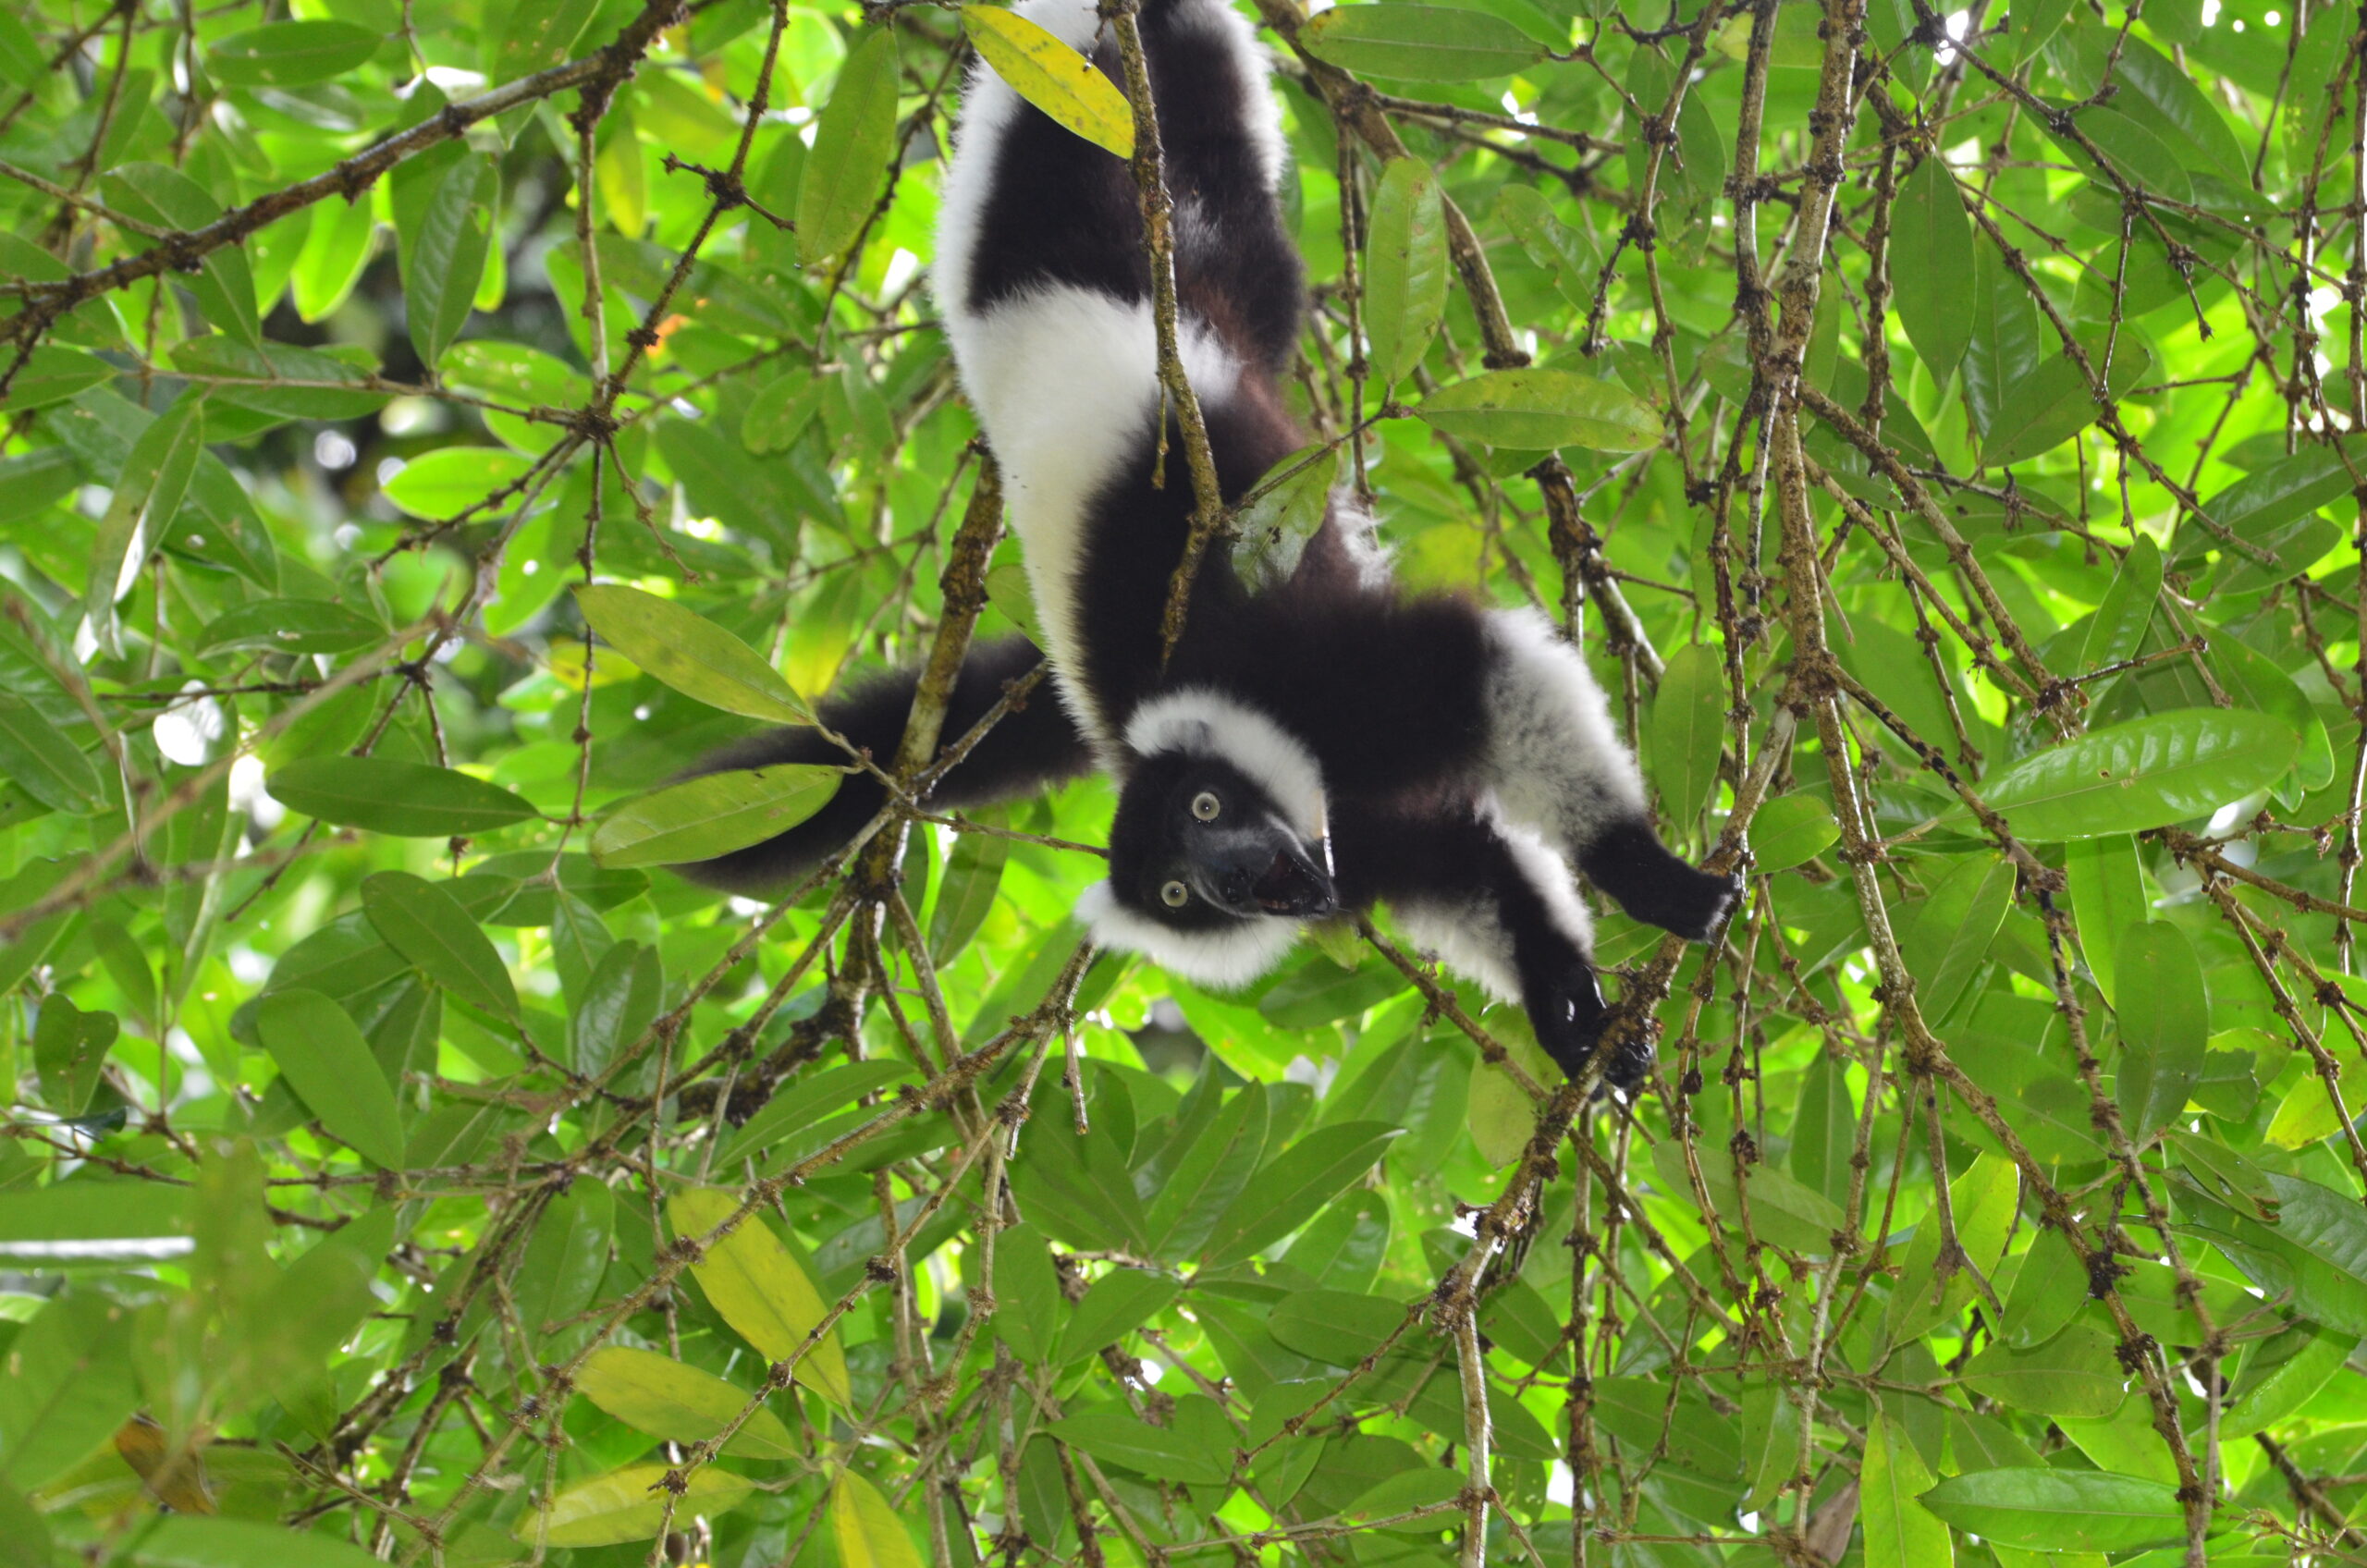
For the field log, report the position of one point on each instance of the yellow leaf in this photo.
(869, 1534)
(1053, 76)
(762, 1291)
(653, 1393)
(624, 1505)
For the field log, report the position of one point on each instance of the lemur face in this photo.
(1198, 846)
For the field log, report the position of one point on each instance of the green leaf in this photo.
(1273, 530)
(409, 800)
(1420, 43)
(2056, 401)
(1119, 1303)
(2072, 1374)
(289, 626)
(1688, 730)
(1116, 1437)
(618, 1003)
(325, 1060)
(973, 876)
(1055, 77)
(628, 1505)
(853, 144)
(1930, 257)
(147, 493)
(868, 1533)
(451, 480)
(2281, 1374)
(196, 1541)
(1532, 409)
(39, 758)
(289, 54)
(1289, 1189)
(2047, 1291)
(69, 1385)
(1028, 1295)
(69, 1051)
(1900, 1532)
(1791, 832)
(426, 924)
(2060, 1509)
(690, 653)
(2119, 625)
(762, 1291)
(1982, 1201)
(563, 1265)
(2164, 1026)
(2268, 498)
(1949, 941)
(2146, 773)
(443, 256)
(655, 1394)
(538, 34)
(1405, 269)
(52, 375)
(223, 286)
(2107, 898)
(713, 815)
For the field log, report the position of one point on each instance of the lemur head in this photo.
(1217, 852)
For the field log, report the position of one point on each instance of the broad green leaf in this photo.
(869, 1534)
(2256, 506)
(426, 924)
(782, 410)
(1420, 43)
(1053, 76)
(2165, 1025)
(2047, 1291)
(1117, 1437)
(2120, 621)
(563, 1265)
(853, 144)
(1531, 410)
(52, 375)
(326, 1061)
(289, 626)
(1791, 832)
(1205, 1168)
(196, 1541)
(1688, 729)
(1119, 1303)
(1027, 1294)
(2072, 1374)
(289, 54)
(2107, 898)
(41, 759)
(1949, 941)
(538, 34)
(1288, 1190)
(409, 800)
(444, 257)
(762, 1291)
(1983, 1201)
(713, 815)
(2057, 400)
(147, 493)
(1273, 530)
(1405, 269)
(2252, 680)
(453, 480)
(2280, 1375)
(1782, 1210)
(655, 1394)
(973, 876)
(628, 1505)
(224, 285)
(690, 653)
(2146, 773)
(616, 1005)
(70, 1384)
(69, 1051)
(2060, 1509)
(1900, 1532)
(1930, 257)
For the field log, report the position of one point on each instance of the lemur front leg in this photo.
(1494, 902)
(1028, 749)
(1558, 766)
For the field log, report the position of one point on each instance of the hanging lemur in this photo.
(1313, 746)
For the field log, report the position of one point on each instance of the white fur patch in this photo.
(1359, 533)
(1554, 758)
(1469, 936)
(1223, 960)
(1199, 719)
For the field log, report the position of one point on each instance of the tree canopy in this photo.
(426, 425)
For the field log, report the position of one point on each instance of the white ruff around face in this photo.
(1197, 719)
(1222, 959)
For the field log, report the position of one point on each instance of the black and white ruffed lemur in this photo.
(1319, 744)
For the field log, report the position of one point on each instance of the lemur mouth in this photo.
(1293, 886)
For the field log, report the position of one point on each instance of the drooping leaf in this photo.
(426, 924)
(328, 1062)
(763, 1291)
(1405, 269)
(655, 1394)
(1930, 257)
(849, 162)
(690, 653)
(1053, 76)
(628, 1505)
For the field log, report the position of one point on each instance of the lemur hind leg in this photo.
(1558, 766)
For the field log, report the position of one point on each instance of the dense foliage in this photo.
(1954, 486)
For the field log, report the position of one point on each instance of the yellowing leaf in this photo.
(762, 1291)
(869, 1533)
(1053, 76)
(658, 1395)
(627, 1505)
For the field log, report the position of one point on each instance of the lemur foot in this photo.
(1566, 1009)
(1656, 887)
(1690, 902)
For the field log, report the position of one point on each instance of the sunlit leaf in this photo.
(1053, 76)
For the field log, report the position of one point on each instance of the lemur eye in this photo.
(1175, 895)
(1205, 805)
